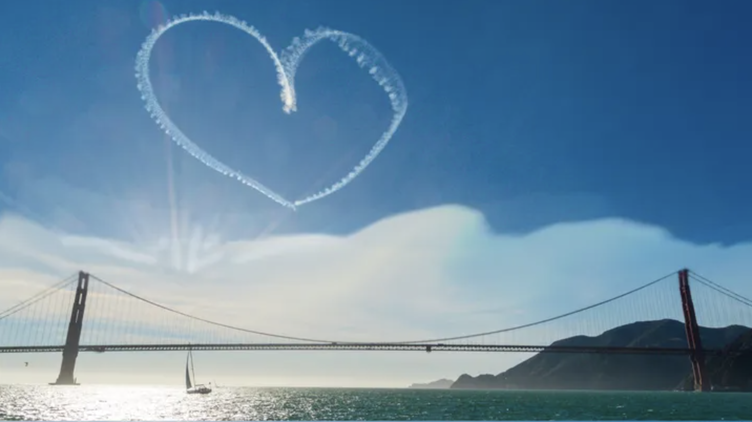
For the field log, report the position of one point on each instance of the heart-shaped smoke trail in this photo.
(366, 56)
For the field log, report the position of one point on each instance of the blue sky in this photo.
(532, 113)
(606, 127)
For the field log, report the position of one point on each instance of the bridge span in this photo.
(119, 321)
(362, 347)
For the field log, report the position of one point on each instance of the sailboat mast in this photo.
(192, 370)
(188, 384)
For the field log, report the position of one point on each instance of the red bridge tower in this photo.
(70, 350)
(694, 342)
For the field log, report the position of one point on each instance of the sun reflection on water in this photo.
(171, 403)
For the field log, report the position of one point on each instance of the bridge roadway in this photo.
(398, 347)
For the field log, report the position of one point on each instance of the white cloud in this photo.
(433, 273)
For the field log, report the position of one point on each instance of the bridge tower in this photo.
(694, 342)
(70, 350)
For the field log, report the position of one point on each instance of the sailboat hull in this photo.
(200, 390)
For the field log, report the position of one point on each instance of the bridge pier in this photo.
(694, 342)
(70, 350)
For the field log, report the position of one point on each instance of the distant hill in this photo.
(442, 383)
(609, 371)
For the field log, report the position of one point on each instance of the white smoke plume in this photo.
(286, 64)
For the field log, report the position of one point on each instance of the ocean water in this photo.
(162, 403)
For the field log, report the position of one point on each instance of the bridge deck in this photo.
(400, 347)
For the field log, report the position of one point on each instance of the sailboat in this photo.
(193, 388)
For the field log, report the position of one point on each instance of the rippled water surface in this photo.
(152, 403)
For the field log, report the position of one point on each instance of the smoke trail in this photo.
(160, 117)
(365, 55)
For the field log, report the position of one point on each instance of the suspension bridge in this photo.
(84, 313)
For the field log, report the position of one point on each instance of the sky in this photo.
(551, 156)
